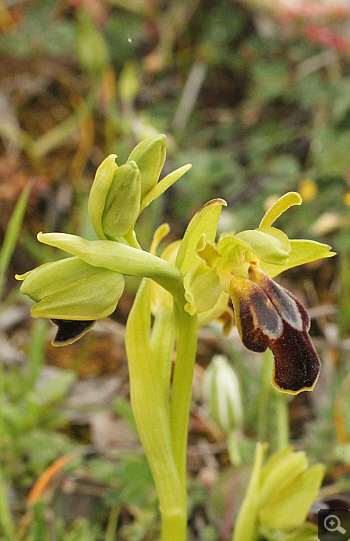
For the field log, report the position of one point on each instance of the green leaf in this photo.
(289, 508)
(12, 233)
(282, 472)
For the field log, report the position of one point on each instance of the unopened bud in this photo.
(221, 393)
(122, 203)
(114, 201)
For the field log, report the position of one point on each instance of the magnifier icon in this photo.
(332, 524)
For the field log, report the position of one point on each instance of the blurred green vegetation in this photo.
(259, 108)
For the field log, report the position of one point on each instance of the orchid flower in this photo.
(267, 315)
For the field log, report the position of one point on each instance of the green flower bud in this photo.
(150, 157)
(71, 289)
(221, 393)
(114, 201)
(122, 203)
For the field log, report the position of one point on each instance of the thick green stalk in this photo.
(282, 419)
(187, 333)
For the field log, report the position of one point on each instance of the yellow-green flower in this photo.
(267, 316)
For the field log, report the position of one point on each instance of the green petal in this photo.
(202, 286)
(287, 200)
(302, 251)
(269, 244)
(204, 221)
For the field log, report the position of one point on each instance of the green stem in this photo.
(112, 523)
(233, 447)
(265, 390)
(282, 419)
(174, 525)
(187, 333)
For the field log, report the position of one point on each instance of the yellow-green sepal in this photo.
(72, 289)
(118, 257)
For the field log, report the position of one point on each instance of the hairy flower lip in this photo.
(297, 364)
(268, 316)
